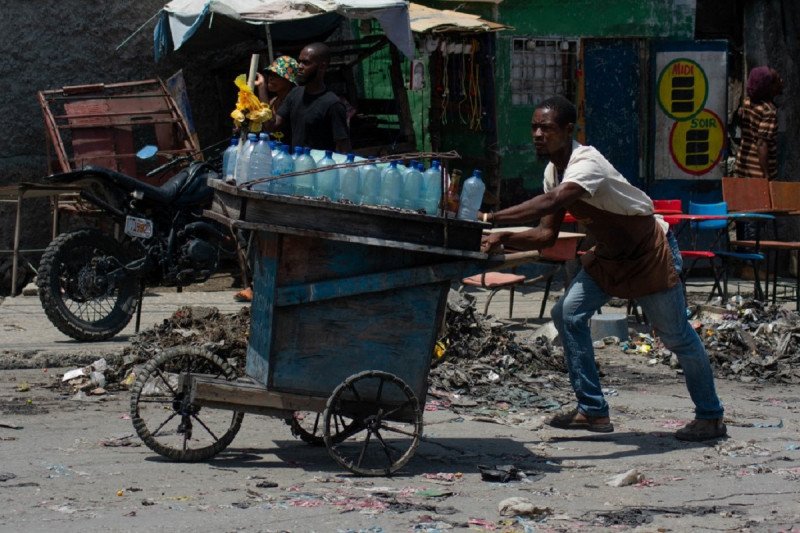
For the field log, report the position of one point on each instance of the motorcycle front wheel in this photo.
(82, 287)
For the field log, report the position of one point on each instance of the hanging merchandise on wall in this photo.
(690, 106)
(457, 79)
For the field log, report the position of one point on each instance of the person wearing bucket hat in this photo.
(281, 77)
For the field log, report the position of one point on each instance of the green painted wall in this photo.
(573, 19)
(376, 82)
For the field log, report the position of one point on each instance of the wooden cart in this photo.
(348, 302)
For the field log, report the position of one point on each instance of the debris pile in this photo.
(483, 359)
(751, 343)
(476, 357)
(222, 334)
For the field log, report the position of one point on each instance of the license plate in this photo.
(138, 227)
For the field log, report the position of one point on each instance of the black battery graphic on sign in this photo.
(697, 148)
(682, 94)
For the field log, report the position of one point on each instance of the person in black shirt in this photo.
(313, 113)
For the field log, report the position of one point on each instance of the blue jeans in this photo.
(666, 311)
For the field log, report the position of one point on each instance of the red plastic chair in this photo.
(668, 207)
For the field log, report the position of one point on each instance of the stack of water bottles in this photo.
(395, 185)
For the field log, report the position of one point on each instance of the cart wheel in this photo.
(386, 423)
(162, 415)
(308, 426)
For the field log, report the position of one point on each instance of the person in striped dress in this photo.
(758, 152)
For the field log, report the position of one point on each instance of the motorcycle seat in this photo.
(176, 188)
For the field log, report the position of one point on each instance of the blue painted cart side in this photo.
(324, 310)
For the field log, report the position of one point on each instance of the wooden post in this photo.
(401, 96)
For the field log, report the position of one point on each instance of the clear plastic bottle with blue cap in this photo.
(243, 161)
(412, 188)
(260, 164)
(327, 178)
(229, 160)
(349, 182)
(370, 183)
(432, 188)
(392, 186)
(283, 164)
(471, 197)
(304, 184)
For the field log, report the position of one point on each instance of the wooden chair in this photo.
(497, 281)
(746, 194)
(785, 196)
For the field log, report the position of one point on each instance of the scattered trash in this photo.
(631, 477)
(751, 342)
(609, 392)
(733, 448)
(518, 506)
(117, 442)
(23, 387)
(87, 378)
(778, 424)
(266, 484)
(506, 473)
(673, 424)
(433, 493)
(445, 476)
(5, 476)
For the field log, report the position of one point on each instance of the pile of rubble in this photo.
(484, 360)
(222, 334)
(750, 342)
(476, 357)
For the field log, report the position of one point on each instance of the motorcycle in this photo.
(90, 283)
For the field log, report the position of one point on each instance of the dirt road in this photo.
(73, 465)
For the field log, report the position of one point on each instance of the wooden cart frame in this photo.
(348, 302)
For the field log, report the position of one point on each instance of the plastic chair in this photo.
(721, 245)
(669, 207)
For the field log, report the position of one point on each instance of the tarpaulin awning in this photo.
(425, 19)
(203, 24)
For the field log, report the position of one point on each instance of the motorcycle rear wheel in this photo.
(76, 291)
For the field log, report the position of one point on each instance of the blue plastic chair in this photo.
(721, 244)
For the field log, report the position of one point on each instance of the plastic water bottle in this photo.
(304, 185)
(412, 165)
(260, 163)
(432, 188)
(348, 182)
(243, 161)
(392, 186)
(471, 197)
(412, 188)
(273, 146)
(370, 183)
(327, 180)
(283, 164)
(229, 160)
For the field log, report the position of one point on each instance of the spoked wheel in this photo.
(83, 287)
(386, 423)
(308, 426)
(165, 419)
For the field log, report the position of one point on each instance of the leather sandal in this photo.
(576, 420)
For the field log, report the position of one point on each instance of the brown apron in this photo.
(631, 258)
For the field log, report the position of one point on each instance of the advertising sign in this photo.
(690, 106)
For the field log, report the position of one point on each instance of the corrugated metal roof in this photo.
(426, 19)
